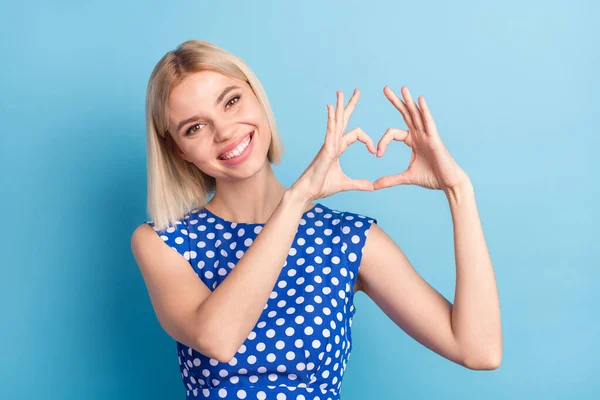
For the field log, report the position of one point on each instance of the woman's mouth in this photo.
(240, 152)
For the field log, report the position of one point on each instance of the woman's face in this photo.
(208, 113)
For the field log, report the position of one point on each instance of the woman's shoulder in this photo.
(348, 226)
(175, 234)
(344, 215)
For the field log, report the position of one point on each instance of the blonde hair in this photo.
(175, 186)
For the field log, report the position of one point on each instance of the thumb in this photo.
(360, 184)
(403, 178)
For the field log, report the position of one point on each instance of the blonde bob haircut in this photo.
(175, 186)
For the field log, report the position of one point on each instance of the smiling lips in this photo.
(235, 145)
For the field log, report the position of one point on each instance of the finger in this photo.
(358, 134)
(427, 118)
(393, 180)
(339, 112)
(400, 106)
(330, 121)
(350, 108)
(414, 110)
(388, 136)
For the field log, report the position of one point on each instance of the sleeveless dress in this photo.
(302, 341)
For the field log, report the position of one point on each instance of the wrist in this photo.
(294, 196)
(460, 190)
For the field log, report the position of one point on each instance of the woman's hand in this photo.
(431, 165)
(324, 176)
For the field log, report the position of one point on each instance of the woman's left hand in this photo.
(431, 165)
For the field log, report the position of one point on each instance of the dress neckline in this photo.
(223, 220)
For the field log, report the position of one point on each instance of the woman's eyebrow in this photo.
(219, 99)
(227, 90)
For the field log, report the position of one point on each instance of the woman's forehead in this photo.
(203, 85)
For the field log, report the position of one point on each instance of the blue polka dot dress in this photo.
(300, 345)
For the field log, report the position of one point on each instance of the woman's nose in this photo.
(225, 132)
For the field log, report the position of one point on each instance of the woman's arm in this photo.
(234, 307)
(476, 311)
(468, 332)
(216, 323)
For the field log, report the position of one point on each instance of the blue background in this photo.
(512, 86)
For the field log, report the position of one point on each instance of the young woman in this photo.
(259, 292)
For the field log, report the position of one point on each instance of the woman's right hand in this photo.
(324, 175)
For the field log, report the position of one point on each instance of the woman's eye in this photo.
(237, 98)
(231, 102)
(191, 129)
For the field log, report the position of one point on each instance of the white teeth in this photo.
(238, 150)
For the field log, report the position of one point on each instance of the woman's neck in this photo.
(250, 200)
